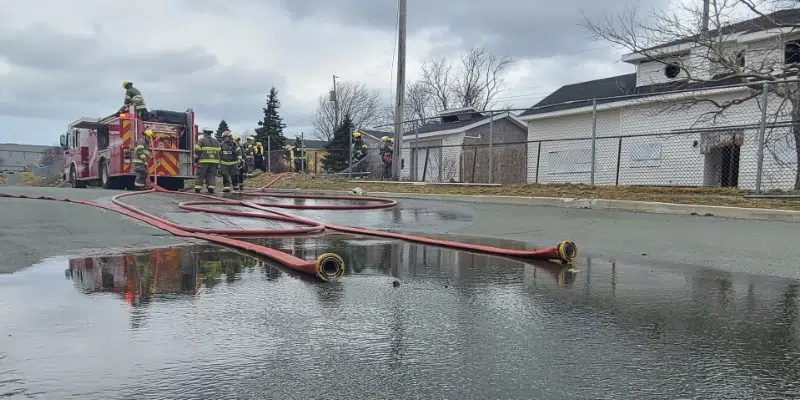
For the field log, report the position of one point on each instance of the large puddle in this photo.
(206, 323)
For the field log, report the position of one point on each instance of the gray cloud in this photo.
(518, 28)
(67, 77)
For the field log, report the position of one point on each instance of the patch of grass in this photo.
(681, 195)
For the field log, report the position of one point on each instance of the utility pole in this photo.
(706, 6)
(335, 100)
(401, 90)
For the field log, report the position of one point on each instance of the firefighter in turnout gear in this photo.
(140, 157)
(242, 165)
(387, 150)
(207, 156)
(260, 162)
(134, 97)
(249, 154)
(298, 155)
(229, 162)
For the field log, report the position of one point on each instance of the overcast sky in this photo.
(60, 61)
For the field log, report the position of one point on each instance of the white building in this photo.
(647, 134)
(455, 147)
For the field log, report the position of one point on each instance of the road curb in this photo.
(763, 214)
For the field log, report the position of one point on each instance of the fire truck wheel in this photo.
(73, 179)
(105, 180)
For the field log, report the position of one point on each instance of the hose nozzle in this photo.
(568, 251)
(330, 267)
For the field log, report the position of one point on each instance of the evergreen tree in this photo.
(338, 150)
(272, 125)
(223, 126)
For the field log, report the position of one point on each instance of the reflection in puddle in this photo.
(204, 322)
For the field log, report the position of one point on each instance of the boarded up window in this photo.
(645, 155)
(569, 161)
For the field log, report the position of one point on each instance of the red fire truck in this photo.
(98, 150)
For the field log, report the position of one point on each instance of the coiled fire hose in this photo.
(326, 267)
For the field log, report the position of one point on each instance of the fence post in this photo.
(416, 152)
(538, 157)
(269, 155)
(761, 132)
(594, 140)
(619, 158)
(302, 152)
(491, 147)
(350, 159)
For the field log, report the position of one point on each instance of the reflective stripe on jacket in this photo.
(208, 150)
(230, 153)
(141, 153)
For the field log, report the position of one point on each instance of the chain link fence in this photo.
(739, 136)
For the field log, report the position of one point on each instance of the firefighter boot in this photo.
(210, 189)
(226, 190)
(197, 189)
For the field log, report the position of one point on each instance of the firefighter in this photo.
(358, 141)
(242, 165)
(387, 150)
(260, 162)
(229, 162)
(298, 153)
(134, 97)
(249, 154)
(207, 155)
(141, 155)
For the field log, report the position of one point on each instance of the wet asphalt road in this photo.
(35, 230)
(200, 323)
(662, 307)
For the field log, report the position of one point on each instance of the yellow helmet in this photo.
(363, 146)
(125, 84)
(357, 134)
(385, 139)
(250, 138)
(234, 137)
(148, 133)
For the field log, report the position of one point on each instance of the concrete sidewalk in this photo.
(763, 214)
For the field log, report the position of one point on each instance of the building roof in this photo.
(774, 20)
(431, 127)
(24, 147)
(609, 90)
(315, 144)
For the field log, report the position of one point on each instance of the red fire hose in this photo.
(564, 251)
(328, 266)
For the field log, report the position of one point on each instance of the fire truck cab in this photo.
(98, 151)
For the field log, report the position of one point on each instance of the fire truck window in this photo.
(183, 143)
(102, 138)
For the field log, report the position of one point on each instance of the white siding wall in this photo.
(676, 158)
(444, 158)
(564, 160)
(759, 56)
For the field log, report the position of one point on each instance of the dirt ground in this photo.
(680, 195)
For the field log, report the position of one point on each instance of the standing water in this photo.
(207, 323)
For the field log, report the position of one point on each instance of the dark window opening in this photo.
(672, 71)
(791, 52)
(740, 60)
(103, 137)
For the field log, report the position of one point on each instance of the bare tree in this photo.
(714, 58)
(355, 99)
(475, 81)
(436, 76)
(419, 106)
